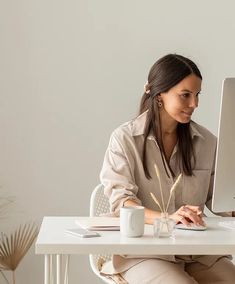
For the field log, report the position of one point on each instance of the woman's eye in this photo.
(185, 95)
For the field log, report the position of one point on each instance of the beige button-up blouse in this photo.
(123, 178)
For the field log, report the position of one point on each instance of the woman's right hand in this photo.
(188, 214)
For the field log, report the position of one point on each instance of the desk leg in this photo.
(47, 269)
(66, 271)
(58, 269)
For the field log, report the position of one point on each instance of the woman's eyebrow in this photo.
(186, 90)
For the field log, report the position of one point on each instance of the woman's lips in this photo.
(188, 114)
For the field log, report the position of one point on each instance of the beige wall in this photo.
(72, 71)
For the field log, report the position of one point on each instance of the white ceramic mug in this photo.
(132, 221)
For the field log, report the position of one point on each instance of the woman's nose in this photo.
(194, 102)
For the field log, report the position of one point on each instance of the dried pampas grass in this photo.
(174, 186)
(156, 201)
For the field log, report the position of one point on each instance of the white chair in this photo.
(99, 204)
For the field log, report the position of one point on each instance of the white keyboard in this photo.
(192, 227)
(227, 224)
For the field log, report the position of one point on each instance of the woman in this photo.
(164, 134)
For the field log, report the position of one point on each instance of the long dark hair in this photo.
(165, 74)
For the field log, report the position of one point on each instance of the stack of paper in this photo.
(99, 223)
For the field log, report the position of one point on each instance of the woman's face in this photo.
(181, 100)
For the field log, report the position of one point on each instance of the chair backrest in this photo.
(99, 204)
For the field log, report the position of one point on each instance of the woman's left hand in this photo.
(188, 214)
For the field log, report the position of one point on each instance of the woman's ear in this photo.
(159, 98)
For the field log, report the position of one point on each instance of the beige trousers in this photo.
(157, 271)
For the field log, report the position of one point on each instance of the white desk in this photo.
(52, 240)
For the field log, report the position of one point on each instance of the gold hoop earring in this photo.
(159, 104)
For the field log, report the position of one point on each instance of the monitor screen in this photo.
(224, 184)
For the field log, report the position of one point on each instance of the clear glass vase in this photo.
(163, 227)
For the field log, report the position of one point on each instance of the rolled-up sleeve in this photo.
(117, 174)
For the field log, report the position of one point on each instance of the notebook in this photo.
(99, 223)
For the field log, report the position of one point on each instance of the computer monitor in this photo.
(224, 183)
